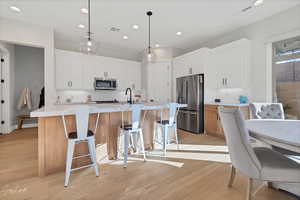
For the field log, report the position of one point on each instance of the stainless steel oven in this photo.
(105, 84)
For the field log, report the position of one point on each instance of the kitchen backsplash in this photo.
(227, 95)
(80, 96)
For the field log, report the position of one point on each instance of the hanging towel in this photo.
(25, 99)
(42, 98)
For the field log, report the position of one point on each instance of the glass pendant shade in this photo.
(89, 43)
(89, 46)
(150, 55)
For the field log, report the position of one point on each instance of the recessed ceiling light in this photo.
(258, 2)
(81, 26)
(15, 9)
(114, 29)
(84, 10)
(178, 33)
(157, 45)
(135, 27)
(125, 37)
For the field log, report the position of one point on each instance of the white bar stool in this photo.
(166, 126)
(82, 134)
(133, 131)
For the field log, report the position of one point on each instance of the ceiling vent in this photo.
(246, 9)
(292, 44)
(114, 29)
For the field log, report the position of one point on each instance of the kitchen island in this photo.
(52, 142)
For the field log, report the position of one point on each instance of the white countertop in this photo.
(58, 110)
(227, 104)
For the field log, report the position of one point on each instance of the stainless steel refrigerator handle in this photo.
(188, 112)
(199, 82)
(186, 91)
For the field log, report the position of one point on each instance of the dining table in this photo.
(284, 134)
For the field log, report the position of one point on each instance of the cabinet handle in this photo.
(70, 83)
(225, 81)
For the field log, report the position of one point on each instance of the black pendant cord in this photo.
(149, 39)
(89, 20)
(149, 13)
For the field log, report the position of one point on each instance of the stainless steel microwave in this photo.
(105, 84)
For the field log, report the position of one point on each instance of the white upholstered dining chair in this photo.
(270, 111)
(82, 134)
(259, 163)
(266, 110)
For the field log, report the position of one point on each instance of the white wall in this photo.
(260, 33)
(32, 35)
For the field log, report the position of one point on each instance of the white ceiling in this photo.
(198, 20)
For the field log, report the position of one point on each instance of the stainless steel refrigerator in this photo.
(190, 91)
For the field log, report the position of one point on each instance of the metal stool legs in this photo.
(126, 136)
(142, 144)
(126, 145)
(92, 150)
(70, 153)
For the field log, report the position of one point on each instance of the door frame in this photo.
(269, 66)
(1, 92)
(5, 112)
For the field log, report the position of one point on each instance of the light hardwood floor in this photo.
(195, 179)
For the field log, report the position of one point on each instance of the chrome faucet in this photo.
(130, 97)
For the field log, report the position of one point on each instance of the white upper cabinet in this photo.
(190, 63)
(229, 65)
(127, 73)
(158, 84)
(78, 71)
(68, 70)
(226, 66)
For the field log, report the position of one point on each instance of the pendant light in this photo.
(149, 51)
(89, 46)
